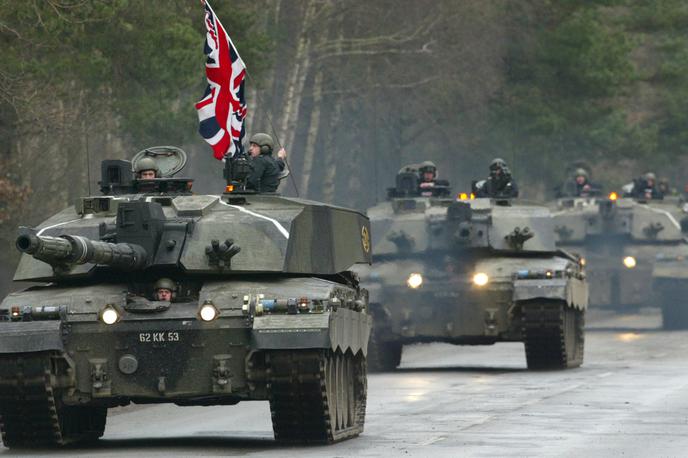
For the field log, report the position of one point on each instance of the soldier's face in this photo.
(428, 176)
(254, 150)
(147, 174)
(580, 179)
(163, 294)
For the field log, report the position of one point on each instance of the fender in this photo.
(30, 336)
(571, 290)
(342, 328)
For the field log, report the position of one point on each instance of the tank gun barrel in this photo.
(75, 249)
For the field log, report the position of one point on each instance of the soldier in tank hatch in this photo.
(644, 187)
(164, 290)
(579, 185)
(428, 184)
(147, 169)
(265, 169)
(499, 184)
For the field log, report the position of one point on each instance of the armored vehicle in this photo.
(635, 251)
(263, 307)
(471, 271)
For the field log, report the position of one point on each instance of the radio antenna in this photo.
(88, 160)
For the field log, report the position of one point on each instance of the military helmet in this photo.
(147, 163)
(427, 166)
(650, 176)
(164, 283)
(264, 141)
(581, 172)
(497, 163)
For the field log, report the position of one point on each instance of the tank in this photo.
(635, 251)
(472, 271)
(264, 308)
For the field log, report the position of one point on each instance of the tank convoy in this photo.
(471, 271)
(265, 308)
(635, 251)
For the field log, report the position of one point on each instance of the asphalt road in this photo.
(630, 398)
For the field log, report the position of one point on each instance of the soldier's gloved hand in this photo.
(282, 153)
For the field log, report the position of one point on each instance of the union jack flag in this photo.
(222, 109)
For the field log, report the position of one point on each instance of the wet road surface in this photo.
(630, 398)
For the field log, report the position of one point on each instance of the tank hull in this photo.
(77, 362)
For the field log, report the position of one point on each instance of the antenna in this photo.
(88, 161)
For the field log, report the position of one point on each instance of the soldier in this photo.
(579, 185)
(645, 187)
(429, 185)
(164, 290)
(265, 170)
(499, 184)
(147, 169)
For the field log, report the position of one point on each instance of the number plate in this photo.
(155, 337)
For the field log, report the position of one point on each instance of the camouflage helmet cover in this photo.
(164, 283)
(146, 163)
(264, 141)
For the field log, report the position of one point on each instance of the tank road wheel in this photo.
(32, 414)
(316, 396)
(553, 334)
(674, 312)
(383, 356)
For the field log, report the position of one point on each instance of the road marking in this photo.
(605, 375)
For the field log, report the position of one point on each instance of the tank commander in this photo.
(579, 185)
(428, 184)
(164, 290)
(644, 187)
(499, 184)
(147, 169)
(265, 169)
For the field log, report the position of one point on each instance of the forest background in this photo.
(354, 90)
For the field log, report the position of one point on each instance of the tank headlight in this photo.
(481, 279)
(208, 312)
(415, 280)
(629, 262)
(109, 315)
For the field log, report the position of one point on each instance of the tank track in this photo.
(31, 414)
(383, 356)
(316, 396)
(553, 334)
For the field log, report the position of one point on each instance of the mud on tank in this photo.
(264, 308)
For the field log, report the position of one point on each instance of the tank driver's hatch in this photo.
(169, 159)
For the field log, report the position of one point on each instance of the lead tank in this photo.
(265, 308)
(472, 271)
(635, 251)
